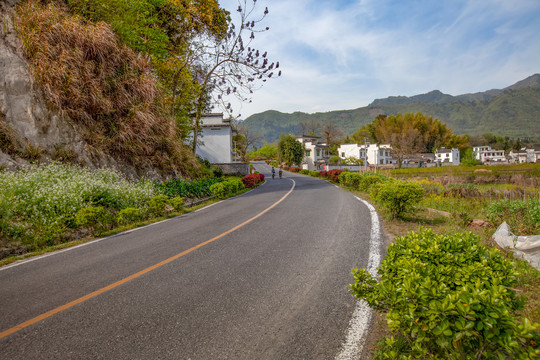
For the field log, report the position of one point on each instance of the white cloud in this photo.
(343, 54)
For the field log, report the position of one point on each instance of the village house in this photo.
(493, 156)
(421, 160)
(487, 155)
(478, 150)
(371, 154)
(524, 156)
(316, 155)
(446, 156)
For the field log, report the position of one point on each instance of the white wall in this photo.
(216, 147)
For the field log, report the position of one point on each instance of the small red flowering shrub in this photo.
(262, 177)
(333, 175)
(294, 169)
(323, 174)
(251, 180)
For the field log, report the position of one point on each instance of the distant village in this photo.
(218, 148)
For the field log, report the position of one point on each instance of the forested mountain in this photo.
(513, 111)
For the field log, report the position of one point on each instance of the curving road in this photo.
(260, 276)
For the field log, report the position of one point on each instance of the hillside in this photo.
(71, 91)
(513, 111)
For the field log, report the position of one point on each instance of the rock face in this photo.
(31, 123)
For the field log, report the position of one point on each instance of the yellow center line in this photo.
(136, 275)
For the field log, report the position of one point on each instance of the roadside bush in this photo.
(219, 190)
(323, 174)
(251, 181)
(189, 189)
(262, 177)
(223, 189)
(523, 216)
(447, 297)
(350, 179)
(368, 180)
(91, 216)
(313, 173)
(304, 172)
(294, 169)
(398, 197)
(235, 185)
(177, 203)
(333, 175)
(128, 215)
(157, 204)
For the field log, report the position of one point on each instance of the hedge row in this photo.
(226, 188)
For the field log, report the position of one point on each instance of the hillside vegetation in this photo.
(103, 85)
(513, 112)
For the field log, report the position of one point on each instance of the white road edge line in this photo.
(358, 325)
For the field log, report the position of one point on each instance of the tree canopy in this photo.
(290, 150)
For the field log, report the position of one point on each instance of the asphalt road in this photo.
(274, 288)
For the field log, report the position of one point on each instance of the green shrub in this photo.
(447, 297)
(157, 204)
(236, 185)
(398, 197)
(189, 189)
(523, 216)
(219, 190)
(177, 203)
(350, 179)
(304, 172)
(90, 216)
(313, 173)
(367, 180)
(128, 215)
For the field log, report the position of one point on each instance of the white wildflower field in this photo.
(38, 204)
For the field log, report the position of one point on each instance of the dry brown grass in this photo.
(103, 85)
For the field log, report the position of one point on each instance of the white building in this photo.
(354, 151)
(371, 154)
(216, 137)
(478, 150)
(446, 156)
(492, 156)
(316, 155)
(524, 156)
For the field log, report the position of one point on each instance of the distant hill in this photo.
(513, 111)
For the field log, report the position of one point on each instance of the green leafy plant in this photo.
(219, 190)
(366, 181)
(157, 204)
(447, 297)
(177, 203)
(90, 216)
(128, 215)
(398, 197)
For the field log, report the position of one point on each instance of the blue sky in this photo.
(343, 54)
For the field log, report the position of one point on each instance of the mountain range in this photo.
(513, 111)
